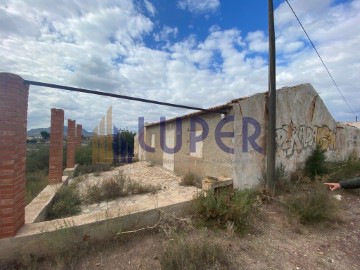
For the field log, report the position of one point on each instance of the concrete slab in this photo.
(36, 210)
(128, 213)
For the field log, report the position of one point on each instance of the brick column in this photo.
(13, 119)
(56, 146)
(78, 135)
(71, 144)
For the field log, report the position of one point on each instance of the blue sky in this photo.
(200, 53)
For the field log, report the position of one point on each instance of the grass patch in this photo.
(96, 168)
(140, 188)
(108, 190)
(191, 179)
(196, 254)
(35, 182)
(346, 169)
(117, 186)
(226, 207)
(93, 194)
(66, 203)
(313, 206)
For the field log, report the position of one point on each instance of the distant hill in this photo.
(35, 132)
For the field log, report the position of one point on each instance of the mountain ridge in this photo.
(36, 132)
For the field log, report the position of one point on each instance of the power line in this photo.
(87, 91)
(328, 71)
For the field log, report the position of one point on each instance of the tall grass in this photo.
(226, 207)
(38, 159)
(66, 203)
(35, 182)
(194, 254)
(313, 206)
(116, 186)
(190, 179)
(96, 168)
(341, 170)
(37, 168)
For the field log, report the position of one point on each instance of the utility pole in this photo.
(271, 139)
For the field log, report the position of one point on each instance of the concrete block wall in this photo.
(56, 146)
(13, 120)
(71, 144)
(302, 122)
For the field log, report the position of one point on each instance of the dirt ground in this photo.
(276, 242)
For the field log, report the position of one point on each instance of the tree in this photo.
(123, 144)
(45, 135)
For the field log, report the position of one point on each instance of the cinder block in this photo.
(212, 184)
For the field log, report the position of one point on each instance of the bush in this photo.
(226, 207)
(140, 188)
(191, 179)
(315, 163)
(66, 203)
(312, 206)
(115, 187)
(93, 194)
(96, 168)
(109, 189)
(198, 254)
(35, 183)
(38, 159)
(83, 155)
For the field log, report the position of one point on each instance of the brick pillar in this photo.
(56, 146)
(71, 144)
(78, 135)
(13, 119)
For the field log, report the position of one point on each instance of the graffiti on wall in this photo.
(292, 139)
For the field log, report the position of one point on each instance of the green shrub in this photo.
(83, 155)
(191, 179)
(315, 163)
(38, 159)
(226, 207)
(66, 203)
(197, 254)
(109, 189)
(93, 194)
(35, 182)
(313, 206)
(96, 168)
(113, 187)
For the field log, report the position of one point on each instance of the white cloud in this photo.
(199, 6)
(166, 33)
(257, 41)
(150, 7)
